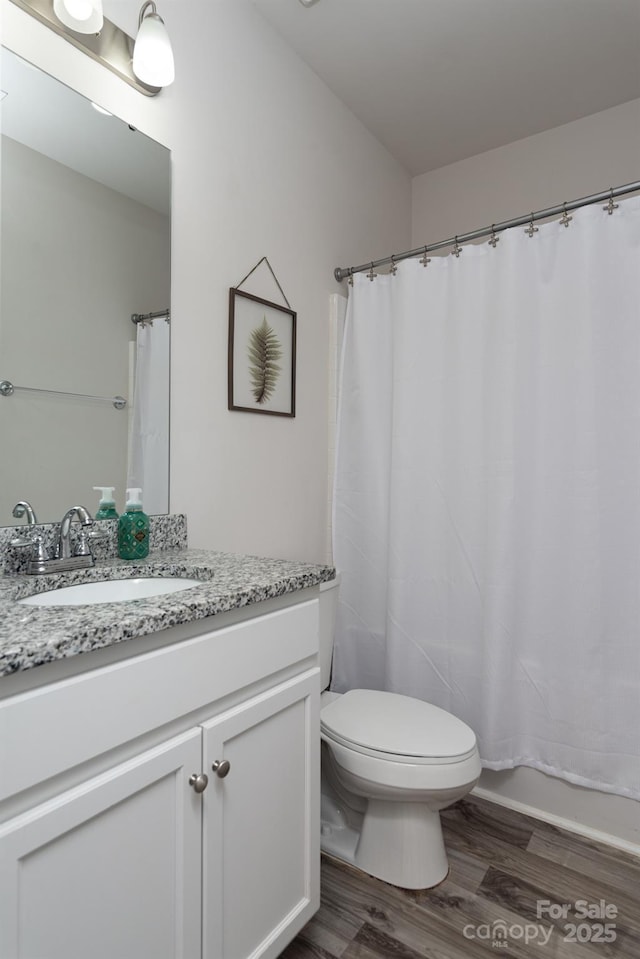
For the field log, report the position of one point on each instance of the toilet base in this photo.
(400, 843)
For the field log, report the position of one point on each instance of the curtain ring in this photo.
(531, 229)
(494, 238)
(424, 259)
(565, 218)
(371, 273)
(611, 206)
(457, 249)
(394, 268)
(350, 280)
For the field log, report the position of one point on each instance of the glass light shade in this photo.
(152, 54)
(83, 16)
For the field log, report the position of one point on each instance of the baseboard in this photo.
(568, 825)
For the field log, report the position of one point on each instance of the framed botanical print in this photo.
(262, 355)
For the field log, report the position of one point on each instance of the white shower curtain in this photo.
(487, 501)
(149, 436)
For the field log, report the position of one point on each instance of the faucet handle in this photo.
(84, 546)
(89, 538)
(40, 551)
(96, 535)
(21, 541)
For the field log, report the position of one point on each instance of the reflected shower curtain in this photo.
(149, 437)
(487, 499)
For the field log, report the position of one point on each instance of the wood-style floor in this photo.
(502, 865)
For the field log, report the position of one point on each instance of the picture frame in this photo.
(262, 355)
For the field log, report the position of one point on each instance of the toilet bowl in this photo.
(390, 763)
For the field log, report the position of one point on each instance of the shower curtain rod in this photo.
(341, 273)
(150, 317)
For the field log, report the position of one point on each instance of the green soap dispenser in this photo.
(107, 505)
(133, 528)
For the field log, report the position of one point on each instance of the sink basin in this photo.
(110, 591)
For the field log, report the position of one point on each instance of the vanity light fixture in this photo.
(83, 16)
(152, 54)
(108, 44)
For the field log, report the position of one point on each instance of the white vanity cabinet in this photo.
(261, 823)
(115, 853)
(109, 868)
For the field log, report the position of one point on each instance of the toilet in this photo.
(390, 763)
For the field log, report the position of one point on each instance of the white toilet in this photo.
(389, 764)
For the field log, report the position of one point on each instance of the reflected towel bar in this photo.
(7, 389)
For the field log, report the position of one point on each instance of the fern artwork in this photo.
(262, 355)
(264, 351)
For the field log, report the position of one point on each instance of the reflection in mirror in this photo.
(85, 244)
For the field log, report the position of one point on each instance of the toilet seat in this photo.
(396, 728)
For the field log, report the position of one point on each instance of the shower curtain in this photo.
(149, 436)
(487, 494)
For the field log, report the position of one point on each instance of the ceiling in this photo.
(437, 81)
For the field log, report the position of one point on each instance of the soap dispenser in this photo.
(133, 528)
(107, 505)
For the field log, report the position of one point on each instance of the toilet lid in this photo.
(399, 725)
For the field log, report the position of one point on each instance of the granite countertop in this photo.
(33, 635)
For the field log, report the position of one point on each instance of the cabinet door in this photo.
(261, 866)
(110, 868)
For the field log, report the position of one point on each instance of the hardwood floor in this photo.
(510, 877)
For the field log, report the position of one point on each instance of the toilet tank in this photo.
(328, 608)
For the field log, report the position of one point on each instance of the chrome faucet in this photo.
(40, 560)
(63, 550)
(23, 507)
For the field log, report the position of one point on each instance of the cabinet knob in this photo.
(199, 782)
(221, 767)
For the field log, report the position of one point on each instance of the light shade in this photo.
(152, 54)
(83, 16)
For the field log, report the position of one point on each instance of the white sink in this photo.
(110, 591)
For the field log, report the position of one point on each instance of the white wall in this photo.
(266, 161)
(565, 163)
(298, 179)
(77, 260)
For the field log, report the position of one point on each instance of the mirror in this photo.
(85, 244)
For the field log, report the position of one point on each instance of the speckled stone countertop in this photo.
(33, 635)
